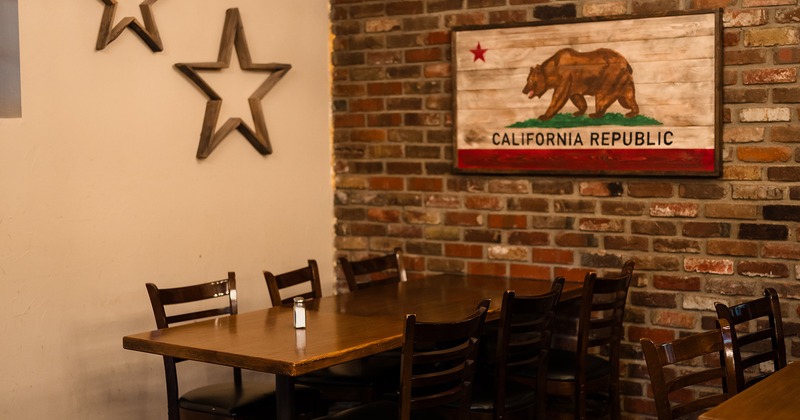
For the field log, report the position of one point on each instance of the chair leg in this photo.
(613, 396)
(580, 402)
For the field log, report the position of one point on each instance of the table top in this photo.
(771, 398)
(339, 328)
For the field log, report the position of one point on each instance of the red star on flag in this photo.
(478, 52)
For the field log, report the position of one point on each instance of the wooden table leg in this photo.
(284, 394)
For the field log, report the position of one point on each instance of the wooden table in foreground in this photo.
(773, 398)
(339, 328)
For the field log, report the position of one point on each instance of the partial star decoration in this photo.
(233, 35)
(109, 32)
(478, 53)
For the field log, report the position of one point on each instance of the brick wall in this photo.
(695, 241)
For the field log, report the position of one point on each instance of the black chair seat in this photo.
(382, 372)
(225, 399)
(562, 366)
(383, 410)
(517, 396)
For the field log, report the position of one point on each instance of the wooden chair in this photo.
(593, 368)
(360, 380)
(365, 273)
(309, 274)
(437, 370)
(515, 380)
(236, 399)
(684, 349)
(756, 342)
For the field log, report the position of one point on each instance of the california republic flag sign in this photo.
(628, 97)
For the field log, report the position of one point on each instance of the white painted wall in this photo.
(100, 192)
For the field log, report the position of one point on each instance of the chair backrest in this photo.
(365, 273)
(697, 345)
(601, 314)
(309, 274)
(523, 340)
(438, 363)
(221, 299)
(755, 343)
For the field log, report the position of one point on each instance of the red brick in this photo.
(366, 105)
(508, 221)
(386, 183)
(437, 37)
(423, 55)
(732, 211)
(675, 319)
(528, 238)
(422, 217)
(682, 283)
(729, 286)
(763, 269)
(708, 265)
(731, 247)
(425, 184)
(508, 16)
(576, 240)
(442, 201)
(674, 210)
(650, 190)
(600, 189)
(484, 203)
(772, 75)
(437, 70)
(463, 251)
(384, 120)
(463, 219)
(552, 255)
(348, 120)
(601, 225)
(678, 245)
(509, 187)
(368, 135)
(404, 8)
(383, 215)
(466, 19)
(530, 271)
(628, 243)
(385, 151)
(787, 55)
(385, 88)
(782, 251)
(507, 253)
(658, 335)
(485, 268)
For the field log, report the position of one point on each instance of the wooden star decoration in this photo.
(109, 32)
(233, 36)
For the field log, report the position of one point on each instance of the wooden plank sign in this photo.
(637, 96)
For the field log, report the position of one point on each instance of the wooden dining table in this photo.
(338, 329)
(772, 398)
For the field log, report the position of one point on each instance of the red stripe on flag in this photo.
(677, 161)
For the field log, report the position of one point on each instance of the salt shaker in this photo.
(299, 313)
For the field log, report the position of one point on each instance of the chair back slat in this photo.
(523, 343)
(220, 292)
(438, 362)
(602, 311)
(372, 271)
(765, 344)
(307, 275)
(718, 341)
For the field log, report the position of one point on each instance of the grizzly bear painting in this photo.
(602, 73)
